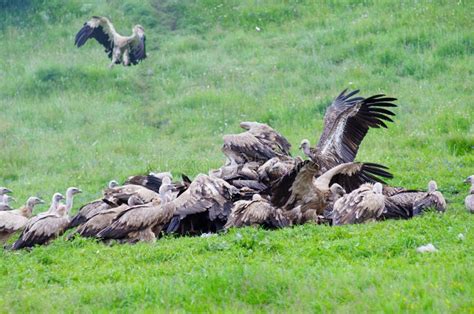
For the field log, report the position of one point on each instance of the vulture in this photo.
(151, 181)
(361, 205)
(300, 188)
(203, 207)
(346, 122)
(268, 136)
(120, 194)
(275, 168)
(100, 220)
(127, 50)
(70, 192)
(44, 227)
(15, 220)
(469, 200)
(142, 222)
(407, 203)
(432, 199)
(259, 143)
(90, 209)
(257, 212)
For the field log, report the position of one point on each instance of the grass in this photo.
(66, 119)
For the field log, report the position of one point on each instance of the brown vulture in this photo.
(346, 122)
(44, 227)
(15, 220)
(361, 205)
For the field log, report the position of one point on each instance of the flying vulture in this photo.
(469, 200)
(127, 50)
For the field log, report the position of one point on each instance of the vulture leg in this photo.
(126, 57)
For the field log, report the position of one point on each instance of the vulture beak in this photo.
(466, 181)
(40, 201)
(7, 191)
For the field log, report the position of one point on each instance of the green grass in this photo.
(66, 119)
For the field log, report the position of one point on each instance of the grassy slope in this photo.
(68, 120)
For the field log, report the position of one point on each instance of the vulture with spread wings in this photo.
(127, 50)
(346, 123)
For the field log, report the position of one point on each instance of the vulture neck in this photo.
(322, 182)
(471, 191)
(69, 198)
(54, 206)
(307, 150)
(28, 209)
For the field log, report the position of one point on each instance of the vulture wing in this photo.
(282, 188)
(99, 221)
(248, 146)
(269, 136)
(359, 206)
(355, 174)
(86, 211)
(99, 28)
(137, 218)
(10, 222)
(45, 229)
(346, 123)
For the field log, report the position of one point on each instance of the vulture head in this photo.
(257, 197)
(4, 191)
(113, 184)
(337, 191)
(469, 180)
(432, 186)
(305, 146)
(33, 201)
(57, 197)
(378, 188)
(72, 191)
(138, 29)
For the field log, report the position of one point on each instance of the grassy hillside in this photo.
(66, 119)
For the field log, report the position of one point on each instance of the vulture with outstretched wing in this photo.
(346, 122)
(127, 50)
(300, 188)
